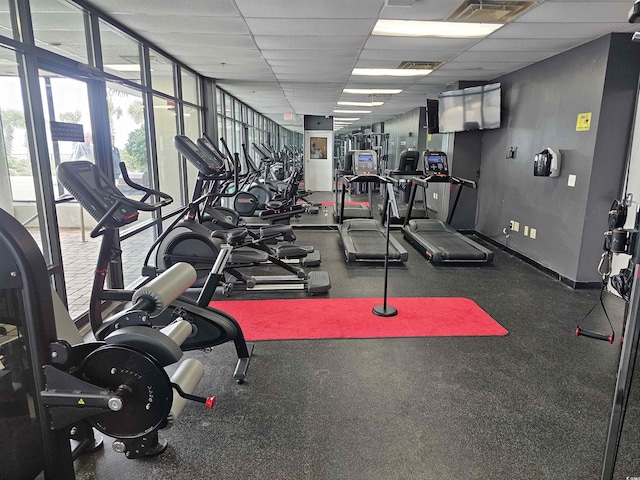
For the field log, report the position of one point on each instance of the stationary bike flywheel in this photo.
(139, 380)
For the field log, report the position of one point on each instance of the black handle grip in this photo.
(595, 335)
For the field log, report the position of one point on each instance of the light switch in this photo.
(572, 181)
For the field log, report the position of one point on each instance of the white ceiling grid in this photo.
(295, 56)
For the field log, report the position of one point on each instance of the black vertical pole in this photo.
(384, 310)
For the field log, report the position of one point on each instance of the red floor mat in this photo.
(352, 318)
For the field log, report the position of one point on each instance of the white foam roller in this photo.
(188, 376)
(165, 288)
(178, 331)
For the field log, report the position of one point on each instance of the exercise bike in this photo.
(112, 210)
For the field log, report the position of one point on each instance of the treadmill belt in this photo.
(366, 240)
(452, 247)
(372, 244)
(441, 243)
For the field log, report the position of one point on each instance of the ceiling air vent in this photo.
(489, 11)
(411, 65)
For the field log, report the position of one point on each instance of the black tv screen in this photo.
(473, 108)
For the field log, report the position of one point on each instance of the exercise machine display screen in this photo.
(436, 162)
(365, 162)
(95, 192)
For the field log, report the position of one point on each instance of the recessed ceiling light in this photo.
(373, 91)
(414, 28)
(352, 111)
(361, 104)
(391, 72)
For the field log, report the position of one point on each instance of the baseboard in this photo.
(546, 270)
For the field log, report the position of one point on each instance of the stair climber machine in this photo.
(364, 239)
(112, 210)
(55, 388)
(209, 186)
(437, 239)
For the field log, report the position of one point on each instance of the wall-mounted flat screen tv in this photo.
(473, 108)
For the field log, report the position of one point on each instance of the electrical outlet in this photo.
(510, 224)
(435, 195)
(532, 233)
(526, 231)
(515, 226)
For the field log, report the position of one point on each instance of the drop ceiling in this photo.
(296, 56)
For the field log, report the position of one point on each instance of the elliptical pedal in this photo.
(318, 282)
(311, 260)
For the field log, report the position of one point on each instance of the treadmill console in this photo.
(365, 162)
(435, 162)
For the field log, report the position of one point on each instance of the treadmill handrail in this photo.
(424, 181)
(367, 178)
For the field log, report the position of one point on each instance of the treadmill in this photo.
(349, 211)
(437, 239)
(364, 239)
(401, 178)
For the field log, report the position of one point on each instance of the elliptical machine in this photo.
(210, 214)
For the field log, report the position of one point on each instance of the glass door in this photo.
(68, 120)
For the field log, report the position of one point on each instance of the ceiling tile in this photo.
(310, 54)
(308, 42)
(302, 9)
(184, 23)
(310, 26)
(504, 56)
(555, 30)
(456, 65)
(525, 45)
(170, 39)
(408, 55)
(309, 62)
(213, 8)
(578, 12)
(405, 43)
(431, 10)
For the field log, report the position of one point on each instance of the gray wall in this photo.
(540, 107)
(406, 131)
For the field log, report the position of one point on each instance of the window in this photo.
(168, 166)
(192, 129)
(5, 20)
(218, 101)
(121, 54)
(190, 90)
(161, 73)
(59, 28)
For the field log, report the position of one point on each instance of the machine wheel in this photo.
(139, 380)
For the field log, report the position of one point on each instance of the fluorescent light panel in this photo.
(351, 111)
(373, 91)
(391, 72)
(343, 119)
(414, 28)
(361, 104)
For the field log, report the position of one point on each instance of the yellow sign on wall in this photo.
(583, 124)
